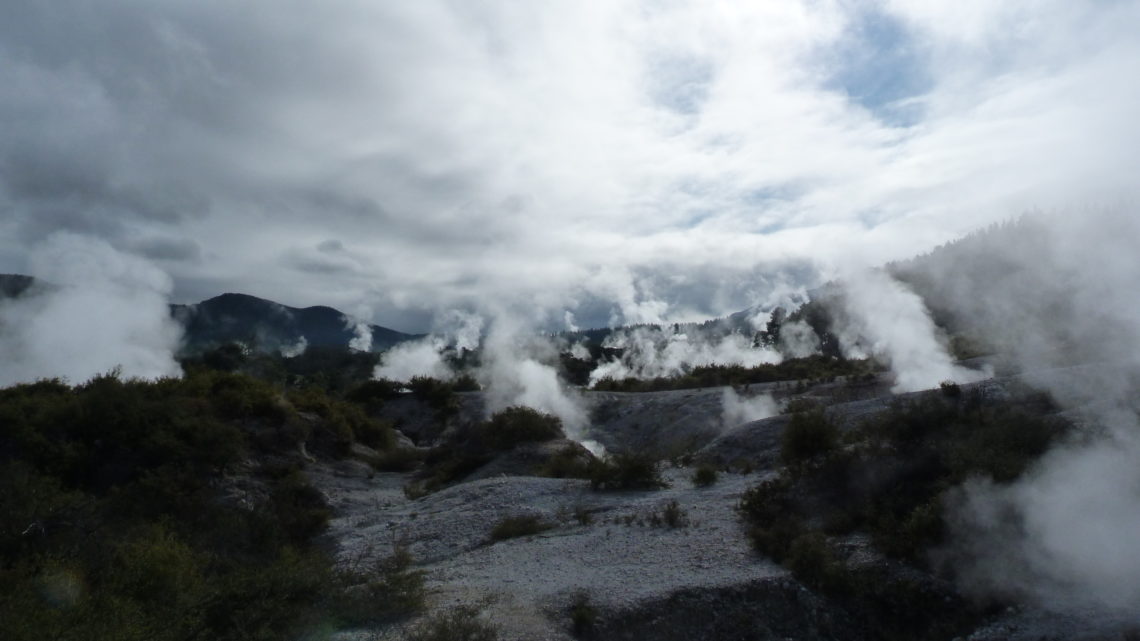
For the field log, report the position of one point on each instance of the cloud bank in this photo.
(628, 162)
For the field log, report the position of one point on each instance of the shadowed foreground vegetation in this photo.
(176, 509)
(891, 478)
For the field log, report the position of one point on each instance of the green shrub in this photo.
(626, 472)
(516, 425)
(373, 393)
(583, 615)
(391, 590)
(397, 459)
(436, 394)
(458, 624)
(814, 564)
(415, 490)
(583, 515)
(799, 405)
(704, 476)
(242, 397)
(120, 503)
(515, 526)
(341, 423)
(673, 516)
(570, 462)
(774, 518)
(466, 383)
(808, 435)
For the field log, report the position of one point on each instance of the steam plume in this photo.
(898, 327)
(104, 310)
(1064, 535)
(737, 410)
(652, 352)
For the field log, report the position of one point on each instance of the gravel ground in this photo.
(527, 582)
(658, 575)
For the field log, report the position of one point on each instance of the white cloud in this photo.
(545, 153)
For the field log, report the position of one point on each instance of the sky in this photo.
(580, 164)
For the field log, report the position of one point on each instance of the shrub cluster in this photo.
(890, 481)
(583, 615)
(808, 435)
(461, 623)
(626, 472)
(517, 425)
(704, 476)
(388, 591)
(121, 518)
(512, 527)
(466, 450)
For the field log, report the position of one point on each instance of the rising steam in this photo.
(1065, 535)
(887, 320)
(100, 310)
(517, 366)
(738, 410)
(653, 352)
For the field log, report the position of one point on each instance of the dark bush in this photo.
(516, 425)
(389, 591)
(673, 516)
(515, 526)
(466, 383)
(122, 519)
(436, 394)
(458, 624)
(570, 462)
(800, 405)
(814, 564)
(808, 435)
(373, 393)
(704, 476)
(626, 472)
(583, 615)
(397, 459)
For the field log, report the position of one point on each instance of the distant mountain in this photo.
(265, 325)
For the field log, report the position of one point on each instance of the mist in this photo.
(518, 369)
(1064, 535)
(455, 332)
(738, 410)
(294, 350)
(517, 365)
(887, 320)
(661, 351)
(96, 310)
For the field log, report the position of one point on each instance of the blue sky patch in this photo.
(879, 66)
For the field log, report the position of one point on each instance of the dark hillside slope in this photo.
(266, 325)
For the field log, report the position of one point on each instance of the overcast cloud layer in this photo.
(626, 161)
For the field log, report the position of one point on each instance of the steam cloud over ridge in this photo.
(99, 310)
(1065, 534)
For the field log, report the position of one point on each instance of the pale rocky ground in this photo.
(699, 581)
(527, 583)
